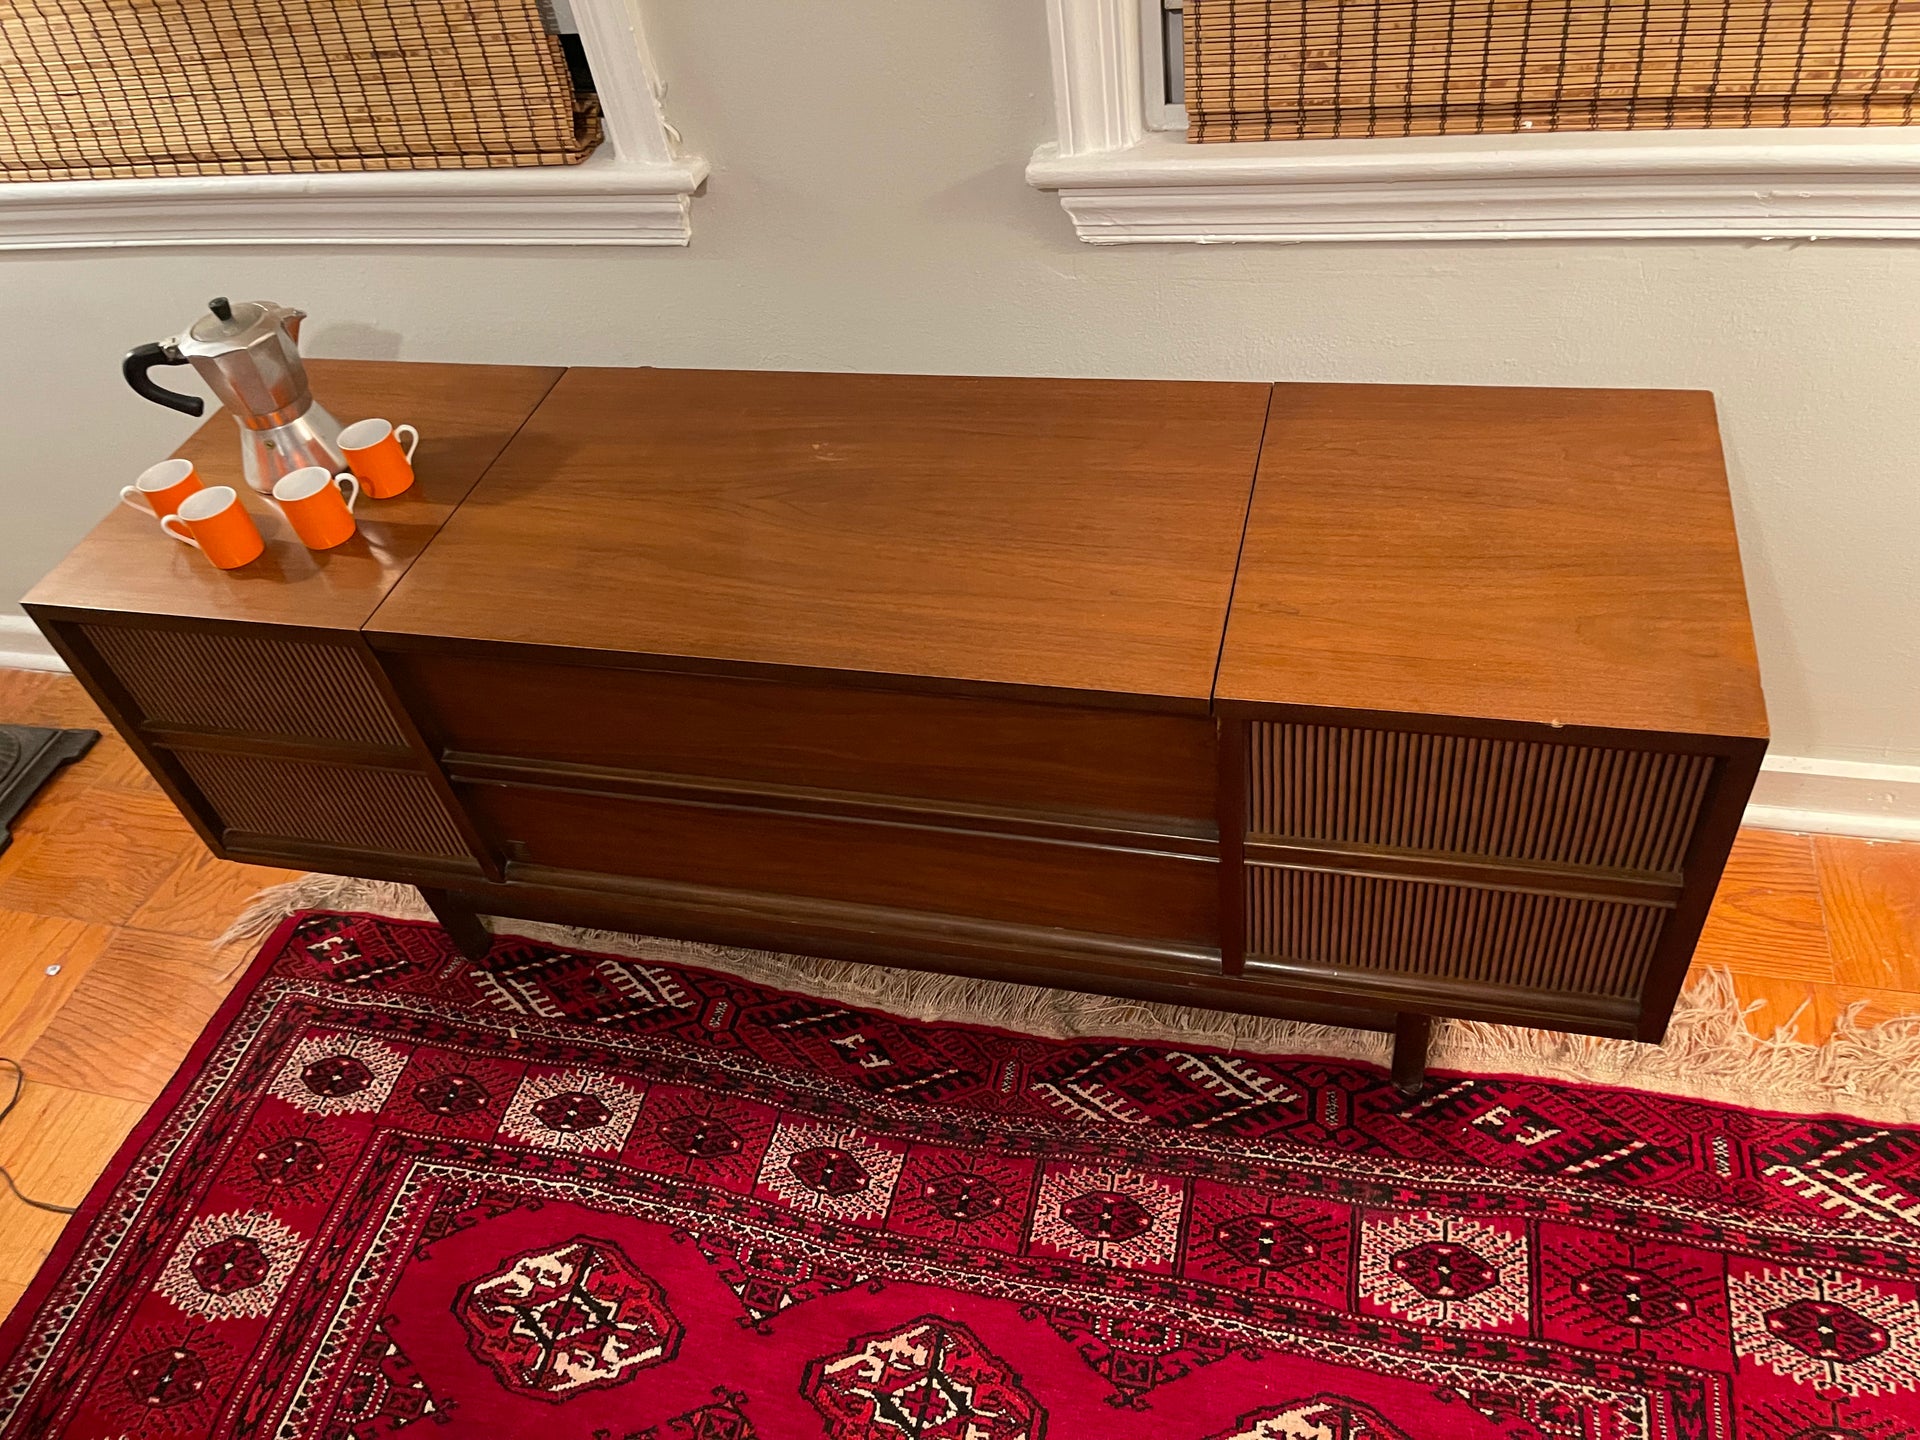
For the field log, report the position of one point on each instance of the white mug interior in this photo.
(163, 476)
(304, 482)
(362, 433)
(205, 504)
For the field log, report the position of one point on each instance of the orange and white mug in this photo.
(216, 524)
(312, 501)
(381, 462)
(160, 488)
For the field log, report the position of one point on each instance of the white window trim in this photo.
(1124, 184)
(633, 190)
(1157, 112)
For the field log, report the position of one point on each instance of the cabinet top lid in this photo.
(1065, 535)
(1547, 556)
(466, 413)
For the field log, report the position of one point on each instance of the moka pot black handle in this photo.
(143, 358)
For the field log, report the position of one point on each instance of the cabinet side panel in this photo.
(1525, 939)
(97, 677)
(351, 807)
(1725, 805)
(269, 684)
(1454, 861)
(1573, 805)
(275, 743)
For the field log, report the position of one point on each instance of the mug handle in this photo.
(166, 524)
(346, 477)
(131, 496)
(413, 444)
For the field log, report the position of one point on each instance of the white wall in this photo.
(867, 211)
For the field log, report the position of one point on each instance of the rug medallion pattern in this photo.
(578, 1197)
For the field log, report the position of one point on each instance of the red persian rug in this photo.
(589, 1198)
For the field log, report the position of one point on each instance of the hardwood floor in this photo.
(109, 906)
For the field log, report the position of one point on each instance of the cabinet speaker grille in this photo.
(351, 806)
(259, 684)
(1519, 800)
(1455, 932)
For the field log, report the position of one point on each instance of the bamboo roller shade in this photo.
(104, 89)
(1313, 69)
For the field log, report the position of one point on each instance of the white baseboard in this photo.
(23, 647)
(1837, 797)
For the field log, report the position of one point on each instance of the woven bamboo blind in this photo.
(102, 89)
(1311, 69)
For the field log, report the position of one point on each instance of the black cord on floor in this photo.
(19, 1084)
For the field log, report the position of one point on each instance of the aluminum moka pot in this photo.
(249, 355)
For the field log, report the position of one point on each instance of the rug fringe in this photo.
(1868, 1071)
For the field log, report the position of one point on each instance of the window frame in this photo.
(635, 189)
(1157, 111)
(1122, 182)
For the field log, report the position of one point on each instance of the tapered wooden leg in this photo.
(471, 938)
(1410, 1033)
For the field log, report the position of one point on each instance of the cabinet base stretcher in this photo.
(460, 916)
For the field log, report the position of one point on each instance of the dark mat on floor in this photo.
(29, 754)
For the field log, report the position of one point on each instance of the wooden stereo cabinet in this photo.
(1363, 704)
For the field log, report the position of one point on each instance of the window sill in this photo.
(1730, 184)
(603, 201)
(634, 190)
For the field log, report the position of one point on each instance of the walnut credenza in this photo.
(1364, 704)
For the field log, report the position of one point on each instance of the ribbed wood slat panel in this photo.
(253, 683)
(1315, 69)
(131, 89)
(350, 806)
(1466, 795)
(1454, 932)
